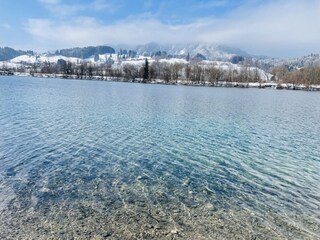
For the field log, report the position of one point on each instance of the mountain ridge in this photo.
(197, 51)
(209, 51)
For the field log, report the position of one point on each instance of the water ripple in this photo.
(100, 160)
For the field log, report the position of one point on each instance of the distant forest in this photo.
(7, 53)
(85, 52)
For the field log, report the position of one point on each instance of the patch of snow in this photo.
(43, 58)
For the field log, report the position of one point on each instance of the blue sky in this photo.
(282, 28)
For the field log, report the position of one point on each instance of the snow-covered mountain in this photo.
(209, 51)
(106, 54)
(200, 50)
(305, 61)
(291, 63)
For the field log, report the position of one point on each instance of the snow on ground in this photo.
(54, 59)
(140, 61)
(174, 60)
(43, 58)
(8, 64)
(24, 59)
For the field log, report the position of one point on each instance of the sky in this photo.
(277, 28)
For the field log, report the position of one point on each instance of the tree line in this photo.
(309, 75)
(194, 72)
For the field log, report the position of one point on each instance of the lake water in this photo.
(101, 160)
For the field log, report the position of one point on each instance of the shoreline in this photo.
(261, 85)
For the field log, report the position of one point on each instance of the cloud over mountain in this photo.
(279, 28)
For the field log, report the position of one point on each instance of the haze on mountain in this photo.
(208, 51)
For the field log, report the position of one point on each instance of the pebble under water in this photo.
(101, 160)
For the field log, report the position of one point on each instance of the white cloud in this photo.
(87, 31)
(279, 28)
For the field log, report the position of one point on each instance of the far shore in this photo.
(260, 85)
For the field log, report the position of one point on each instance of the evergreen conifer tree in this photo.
(146, 71)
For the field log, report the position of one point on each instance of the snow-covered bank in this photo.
(288, 86)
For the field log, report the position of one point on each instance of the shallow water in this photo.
(101, 160)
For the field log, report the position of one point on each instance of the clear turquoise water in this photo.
(87, 159)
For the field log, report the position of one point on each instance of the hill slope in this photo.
(209, 51)
(7, 53)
